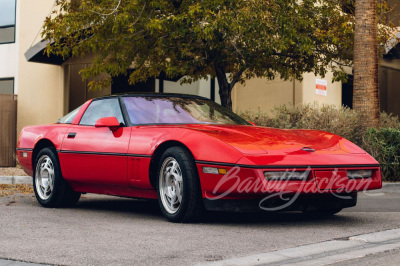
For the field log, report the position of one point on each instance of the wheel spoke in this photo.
(173, 199)
(179, 192)
(51, 184)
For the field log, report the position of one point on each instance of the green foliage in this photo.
(384, 145)
(246, 38)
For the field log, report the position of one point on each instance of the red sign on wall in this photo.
(321, 87)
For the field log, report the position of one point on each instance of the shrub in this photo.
(341, 121)
(384, 145)
(389, 120)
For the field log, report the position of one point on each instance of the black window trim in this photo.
(13, 79)
(99, 99)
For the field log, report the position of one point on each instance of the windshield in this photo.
(177, 110)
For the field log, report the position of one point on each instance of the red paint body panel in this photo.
(138, 172)
(80, 113)
(100, 160)
(31, 135)
(26, 162)
(96, 155)
(328, 180)
(146, 139)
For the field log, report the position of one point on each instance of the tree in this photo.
(195, 39)
(365, 65)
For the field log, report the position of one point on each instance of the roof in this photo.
(37, 54)
(155, 95)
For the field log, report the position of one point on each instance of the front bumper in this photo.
(247, 183)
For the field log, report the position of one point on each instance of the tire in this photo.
(51, 190)
(178, 186)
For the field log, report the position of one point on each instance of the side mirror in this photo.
(110, 122)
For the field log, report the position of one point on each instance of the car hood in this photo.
(272, 141)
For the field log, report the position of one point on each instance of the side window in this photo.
(101, 108)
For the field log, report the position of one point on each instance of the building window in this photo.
(7, 21)
(7, 86)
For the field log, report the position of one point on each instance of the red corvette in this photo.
(192, 155)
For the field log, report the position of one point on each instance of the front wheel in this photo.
(178, 186)
(51, 190)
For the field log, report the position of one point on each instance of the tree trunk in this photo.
(365, 64)
(225, 89)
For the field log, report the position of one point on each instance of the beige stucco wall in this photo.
(40, 88)
(262, 94)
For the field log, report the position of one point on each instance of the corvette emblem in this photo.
(308, 149)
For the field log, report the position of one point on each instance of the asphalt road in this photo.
(109, 230)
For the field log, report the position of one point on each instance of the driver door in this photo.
(96, 155)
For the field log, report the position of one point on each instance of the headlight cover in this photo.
(359, 174)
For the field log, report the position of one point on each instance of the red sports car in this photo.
(192, 155)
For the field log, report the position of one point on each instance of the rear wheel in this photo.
(51, 190)
(178, 186)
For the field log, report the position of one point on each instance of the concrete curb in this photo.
(323, 253)
(15, 180)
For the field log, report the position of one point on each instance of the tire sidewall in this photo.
(189, 176)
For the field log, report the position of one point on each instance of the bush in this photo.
(384, 145)
(341, 121)
(389, 120)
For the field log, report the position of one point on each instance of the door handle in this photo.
(71, 135)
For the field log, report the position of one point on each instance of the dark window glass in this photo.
(67, 119)
(7, 86)
(7, 21)
(102, 108)
(176, 110)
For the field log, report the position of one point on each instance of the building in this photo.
(8, 80)
(48, 88)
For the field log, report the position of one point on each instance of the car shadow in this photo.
(150, 209)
